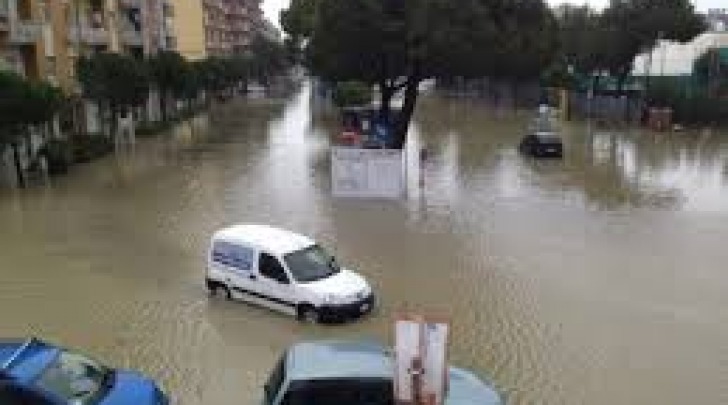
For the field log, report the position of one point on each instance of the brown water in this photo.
(601, 279)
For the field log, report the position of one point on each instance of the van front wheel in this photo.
(307, 313)
(216, 288)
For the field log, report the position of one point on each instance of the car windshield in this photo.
(76, 378)
(311, 264)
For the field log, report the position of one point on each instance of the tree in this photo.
(298, 22)
(117, 82)
(527, 38)
(266, 59)
(168, 70)
(579, 39)
(24, 104)
(396, 44)
(632, 26)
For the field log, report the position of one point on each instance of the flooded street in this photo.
(600, 279)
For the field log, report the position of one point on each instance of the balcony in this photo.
(88, 35)
(4, 15)
(25, 32)
(131, 37)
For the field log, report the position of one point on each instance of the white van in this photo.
(284, 271)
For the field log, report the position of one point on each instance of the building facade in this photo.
(42, 39)
(215, 27)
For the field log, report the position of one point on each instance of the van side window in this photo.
(228, 254)
(271, 268)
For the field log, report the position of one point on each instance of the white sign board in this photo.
(367, 173)
(421, 362)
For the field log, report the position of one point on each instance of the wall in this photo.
(189, 28)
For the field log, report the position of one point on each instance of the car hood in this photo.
(467, 389)
(345, 285)
(133, 389)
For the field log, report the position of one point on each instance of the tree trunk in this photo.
(28, 135)
(163, 104)
(114, 122)
(385, 108)
(18, 165)
(408, 109)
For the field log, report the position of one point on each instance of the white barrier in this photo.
(367, 173)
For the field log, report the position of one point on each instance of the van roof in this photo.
(268, 238)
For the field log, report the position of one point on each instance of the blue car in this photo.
(34, 372)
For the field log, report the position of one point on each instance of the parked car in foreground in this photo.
(355, 373)
(284, 271)
(34, 372)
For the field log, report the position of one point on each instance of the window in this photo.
(228, 254)
(271, 268)
(76, 378)
(311, 264)
(338, 392)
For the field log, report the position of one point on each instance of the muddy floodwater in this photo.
(599, 279)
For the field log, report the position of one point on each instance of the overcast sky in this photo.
(272, 7)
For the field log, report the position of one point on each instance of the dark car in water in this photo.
(34, 372)
(543, 138)
(542, 144)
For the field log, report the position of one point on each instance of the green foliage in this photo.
(168, 71)
(396, 44)
(85, 148)
(118, 80)
(591, 42)
(689, 107)
(298, 21)
(579, 36)
(266, 59)
(58, 155)
(352, 94)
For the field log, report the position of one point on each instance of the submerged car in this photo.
(284, 271)
(542, 144)
(543, 139)
(34, 372)
(355, 373)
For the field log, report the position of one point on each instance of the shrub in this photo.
(58, 156)
(352, 93)
(89, 147)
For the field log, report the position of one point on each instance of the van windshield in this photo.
(311, 264)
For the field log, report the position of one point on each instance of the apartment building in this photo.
(215, 27)
(42, 39)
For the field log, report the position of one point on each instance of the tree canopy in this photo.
(24, 103)
(396, 44)
(114, 79)
(592, 42)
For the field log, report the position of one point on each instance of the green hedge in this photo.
(58, 156)
(690, 108)
(89, 147)
(352, 93)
